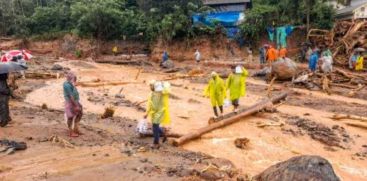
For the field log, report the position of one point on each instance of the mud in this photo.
(335, 136)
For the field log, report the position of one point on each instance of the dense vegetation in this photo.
(311, 13)
(143, 19)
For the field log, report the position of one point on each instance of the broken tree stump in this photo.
(251, 110)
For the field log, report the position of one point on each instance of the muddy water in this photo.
(267, 145)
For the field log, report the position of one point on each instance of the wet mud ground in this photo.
(111, 150)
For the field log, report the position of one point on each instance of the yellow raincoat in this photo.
(114, 49)
(216, 90)
(236, 83)
(359, 63)
(158, 108)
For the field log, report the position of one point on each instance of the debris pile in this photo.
(336, 136)
(343, 38)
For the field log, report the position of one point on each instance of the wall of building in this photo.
(361, 12)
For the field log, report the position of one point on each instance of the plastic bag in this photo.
(142, 126)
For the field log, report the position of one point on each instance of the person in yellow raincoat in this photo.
(236, 84)
(114, 50)
(216, 91)
(158, 110)
(359, 62)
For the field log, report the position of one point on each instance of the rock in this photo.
(284, 69)
(168, 64)
(57, 67)
(242, 143)
(119, 96)
(313, 168)
(212, 174)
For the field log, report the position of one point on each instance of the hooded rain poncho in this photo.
(236, 83)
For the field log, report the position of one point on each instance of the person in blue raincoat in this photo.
(314, 58)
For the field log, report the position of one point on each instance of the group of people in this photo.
(324, 60)
(217, 89)
(269, 54)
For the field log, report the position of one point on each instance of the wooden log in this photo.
(251, 110)
(353, 117)
(100, 84)
(168, 134)
(344, 86)
(36, 75)
(358, 125)
(233, 63)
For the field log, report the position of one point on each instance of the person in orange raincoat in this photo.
(283, 52)
(272, 55)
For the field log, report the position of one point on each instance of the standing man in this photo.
(272, 55)
(197, 56)
(314, 58)
(216, 91)
(73, 108)
(263, 52)
(236, 84)
(283, 52)
(158, 111)
(4, 100)
(164, 57)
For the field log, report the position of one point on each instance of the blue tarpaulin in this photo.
(229, 20)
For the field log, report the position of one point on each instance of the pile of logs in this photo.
(343, 38)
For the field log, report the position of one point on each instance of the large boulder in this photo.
(300, 168)
(284, 69)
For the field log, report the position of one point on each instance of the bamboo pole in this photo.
(252, 110)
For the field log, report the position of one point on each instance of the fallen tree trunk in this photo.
(341, 116)
(36, 75)
(233, 63)
(252, 110)
(358, 125)
(100, 84)
(169, 135)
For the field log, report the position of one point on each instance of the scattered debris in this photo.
(242, 143)
(57, 67)
(61, 141)
(9, 147)
(108, 112)
(335, 136)
(300, 168)
(44, 106)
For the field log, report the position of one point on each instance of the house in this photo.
(229, 5)
(357, 10)
(228, 13)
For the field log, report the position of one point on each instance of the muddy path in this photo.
(189, 110)
(109, 149)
